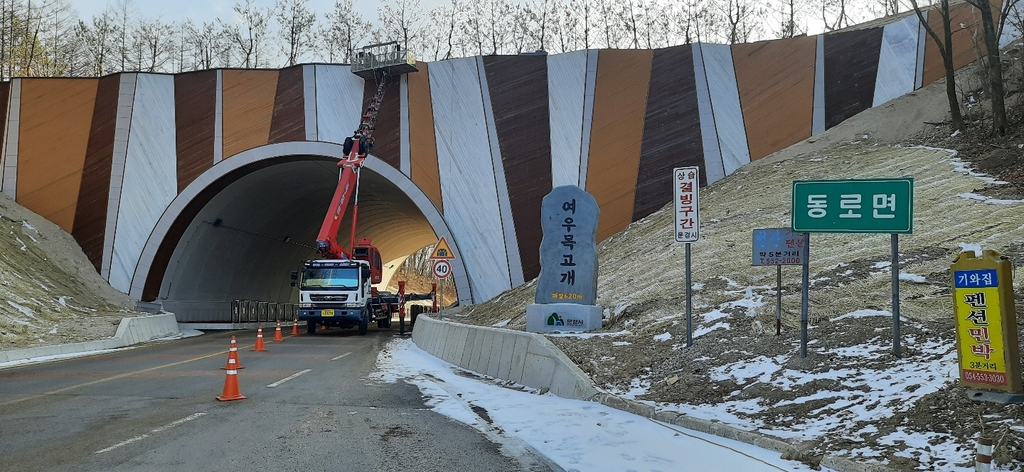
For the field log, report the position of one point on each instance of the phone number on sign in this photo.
(780, 260)
(984, 377)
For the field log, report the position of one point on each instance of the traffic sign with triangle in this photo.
(442, 250)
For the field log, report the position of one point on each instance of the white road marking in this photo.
(343, 355)
(157, 430)
(279, 382)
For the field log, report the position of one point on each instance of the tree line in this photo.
(47, 38)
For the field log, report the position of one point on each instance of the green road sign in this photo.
(853, 206)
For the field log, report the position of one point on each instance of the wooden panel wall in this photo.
(195, 114)
(248, 108)
(776, 85)
(52, 146)
(422, 142)
(91, 210)
(851, 65)
(289, 119)
(387, 136)
(672, 136)
(518, 87)
(963, 46)
(620, 98)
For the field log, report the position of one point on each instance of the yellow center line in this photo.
(113, 377)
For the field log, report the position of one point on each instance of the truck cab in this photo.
(335, 293)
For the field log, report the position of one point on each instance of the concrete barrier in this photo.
(525, 358)
(131, 331)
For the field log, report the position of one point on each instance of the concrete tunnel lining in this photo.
(249, 255)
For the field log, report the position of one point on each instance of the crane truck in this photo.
(338, 288)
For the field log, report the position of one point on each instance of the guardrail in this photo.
(255, 311)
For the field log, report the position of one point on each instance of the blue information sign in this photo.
(976, 278)
(778, 246)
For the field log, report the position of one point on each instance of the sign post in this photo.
(686, 184)
(856, 206)
(442, 256)
(779, 247)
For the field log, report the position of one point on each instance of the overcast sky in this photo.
(207, 10)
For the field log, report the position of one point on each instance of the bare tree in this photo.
(297, 24)
(153, 45)
(790, 12)
(945, 45)
(609, 11)
(445, 18)
(123, 13)
(345, 28)
(400, 20)
(249, 34)
(205, 42)
(993, 62)
(741, 17)
(99, 41)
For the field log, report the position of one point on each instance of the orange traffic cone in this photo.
(277, 333)
(233, 362)
(231, 386)
(295, 327)
(259, 339)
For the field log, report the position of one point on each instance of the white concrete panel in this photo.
(508, 224)
(122, 124)
(818, 116)
(405, 159)
(897, 60)
(567, 79)
(467, 175)
(725, 99)
(150, 171)
(218, 120)
(713, 167)
(588, 114)
(309, 99)
(9, 183)
(339, 102)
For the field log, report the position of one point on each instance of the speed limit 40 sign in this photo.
(442, 268)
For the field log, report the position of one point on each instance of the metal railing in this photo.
(255, 311)
(384, 55)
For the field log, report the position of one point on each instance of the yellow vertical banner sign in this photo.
(986, 322)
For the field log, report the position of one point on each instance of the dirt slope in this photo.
(49, 292)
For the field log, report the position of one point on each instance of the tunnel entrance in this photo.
(237, 234)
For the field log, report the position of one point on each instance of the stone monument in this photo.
(567, 285)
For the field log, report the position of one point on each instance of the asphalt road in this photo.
(152, 408)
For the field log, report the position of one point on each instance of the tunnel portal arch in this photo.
(175, 253)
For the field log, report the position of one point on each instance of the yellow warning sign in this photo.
(442, 250)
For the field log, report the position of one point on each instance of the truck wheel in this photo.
(364, 323)
(311, 327)
(387, 323)
(380, 324)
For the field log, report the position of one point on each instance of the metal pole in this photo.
(440, 292)
(778, 300)
(689, 305)
(803, 295)
(895, 294)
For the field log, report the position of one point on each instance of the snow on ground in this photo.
(575, 435)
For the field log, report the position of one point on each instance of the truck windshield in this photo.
(326, 278)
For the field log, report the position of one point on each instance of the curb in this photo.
(533, 360)
(131, 331)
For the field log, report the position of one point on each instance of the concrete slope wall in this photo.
(481, 139)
